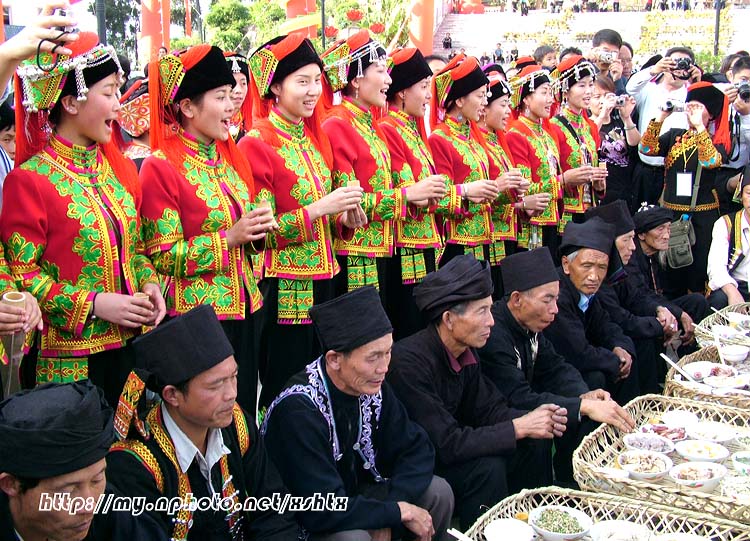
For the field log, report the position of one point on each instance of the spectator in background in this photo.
(447, 41)
(163, 51)
(7, 142)
(436, 62)
(451, 55)
(125, 65)
(726, 65)
(619, 140)
(545, 56)
(484, 59)
(626, 58)
(497, 56)
(569, 51)
(605, 55)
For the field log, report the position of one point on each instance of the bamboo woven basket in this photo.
(680, 389)
(703, 331)
(601, 448)
(660, 519)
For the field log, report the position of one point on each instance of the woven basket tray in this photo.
(677, 387)
(703, 331)
(599, 507)
(601, 448)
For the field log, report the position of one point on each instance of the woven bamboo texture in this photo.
(601, 448)
(682, 389)
(703, 331)
(658, 518)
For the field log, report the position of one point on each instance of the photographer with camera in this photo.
(658, 82)
(738, 95)
(692, 160)
(619, 138)
(605, 55)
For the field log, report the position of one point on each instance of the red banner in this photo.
(188, 19)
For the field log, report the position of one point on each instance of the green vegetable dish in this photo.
(556, 521)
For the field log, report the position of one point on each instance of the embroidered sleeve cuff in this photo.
(343, 232)
(649, 144)
(707, 153)
(294, 228)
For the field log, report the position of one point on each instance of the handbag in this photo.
(682, 233)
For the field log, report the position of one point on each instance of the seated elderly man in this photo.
(728, 264)
(582, 331)
(485, 449)
(53, 444)
(653, 231)
(524, 365)
(338, 428)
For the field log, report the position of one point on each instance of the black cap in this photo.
(526, 270)
(351, 320)
(467, 84)
(594, 234)
(615, 213)
(180, 349)
(409, 67)
(650, 217)
(54, 429)
(211, 71)
(462, 279)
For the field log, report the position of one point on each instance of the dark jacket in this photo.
(548, 379)
(464, 415)
(635, 326)
(640, 292)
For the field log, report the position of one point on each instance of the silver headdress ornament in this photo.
(562, 81)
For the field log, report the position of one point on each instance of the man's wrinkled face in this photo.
(587, 269)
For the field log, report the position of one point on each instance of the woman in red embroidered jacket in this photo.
(536, 153)
(198, 219)
(292, 164)
(356, 67)
(72, 236)
(459, 95)
(578, 139)
(242, 118)
(417, 238)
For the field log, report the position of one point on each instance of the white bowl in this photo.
(712, 431)
(703, 369)
(583, 520)
(679, 418)
(625, 460)
(639, 441)
(734, 353)
(508, 528)
(724, 331)
(742, 440)
(701, 451)
(741, 467)
(737, 320)
(728, 382)
(702, 485)
(619, 530)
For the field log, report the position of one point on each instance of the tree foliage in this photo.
(227, 22)
(265, 19)
(123, 23)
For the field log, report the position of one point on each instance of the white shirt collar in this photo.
(186, 450)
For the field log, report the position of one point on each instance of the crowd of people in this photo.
(443, 274)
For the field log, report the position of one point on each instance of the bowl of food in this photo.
(645, 465)
(648, 442)
(672, 433)
(701, 451)
(712, 431)
(508, 528)
(559, 523)
(679, 418)
(703, 369)
(741, 462)
(700, 476)
(724, 331)
(619, 530)
(737, 320)
(742, 440)
(734, 353)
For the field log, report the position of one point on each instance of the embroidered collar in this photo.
(187, 452)
(207, 153)
(576, 120)
(360, 113)
(291, 130)
(463, 128)
(82, 160)
(535, 126)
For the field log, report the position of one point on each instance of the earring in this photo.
(356, 93)
(460, 117)
(403, 102)
(276, 98)
(526, 111)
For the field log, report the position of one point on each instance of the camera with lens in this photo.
(59, 12)
(743, 91)
(621, 100)
(607, 57)
(683, 64)
(673, 106)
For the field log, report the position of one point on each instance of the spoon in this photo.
(458, 535)
(678, 368)
(718, 346)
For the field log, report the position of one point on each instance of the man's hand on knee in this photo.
(416, 520)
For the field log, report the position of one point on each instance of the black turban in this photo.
(181, 348)
(462, 279)
(526, 270)
(650, 217)
(211, 71)
(594, 234)
(351, 320)
(54, 429)
(615, 213)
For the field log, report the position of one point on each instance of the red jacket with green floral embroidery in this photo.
(292, 176)
(504, 218)
(463, 159)
(61, 247)
(360, 154)
(185, 220)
